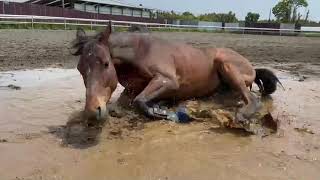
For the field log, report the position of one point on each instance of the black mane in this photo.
(89, 42)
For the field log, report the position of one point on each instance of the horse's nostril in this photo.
(99, 111)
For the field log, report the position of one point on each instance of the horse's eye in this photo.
(106, 65)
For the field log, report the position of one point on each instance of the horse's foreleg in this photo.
(234, 78)
(156, 87)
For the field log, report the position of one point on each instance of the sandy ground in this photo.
(33, 119)
(21, 49)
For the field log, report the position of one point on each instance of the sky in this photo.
(240, 7)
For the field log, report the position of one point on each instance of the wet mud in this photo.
(43, 136)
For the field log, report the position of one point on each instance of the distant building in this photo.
(112, 7)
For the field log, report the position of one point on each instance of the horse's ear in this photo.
(106, 34)
(77, 43)
(81, 34)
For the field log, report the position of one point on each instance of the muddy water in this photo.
(31, 145)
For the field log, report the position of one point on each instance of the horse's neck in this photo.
(127, 46)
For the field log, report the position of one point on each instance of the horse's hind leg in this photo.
(237, 81)
(158, 86)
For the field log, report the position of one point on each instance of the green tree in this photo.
(188, 16)
(286, 10)
(173, 15)
(307, 16)
(252, 17)
(219, 17)
(215, 17)
(168, 15)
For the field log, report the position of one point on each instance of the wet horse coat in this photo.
(154, 69)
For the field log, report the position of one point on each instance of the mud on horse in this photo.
(154, 69)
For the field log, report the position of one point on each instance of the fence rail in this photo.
(30, 19)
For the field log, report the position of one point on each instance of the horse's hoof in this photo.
(156, 106)
(172, 116)
(183, 115)
(239, 118)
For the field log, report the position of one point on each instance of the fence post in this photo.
(65, 23)
(32, 22)
(3, 9)
(91, 25)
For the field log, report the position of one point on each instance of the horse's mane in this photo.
(91, 41)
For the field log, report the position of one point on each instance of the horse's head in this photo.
(97, 69)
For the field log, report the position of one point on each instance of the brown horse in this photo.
(154, 69)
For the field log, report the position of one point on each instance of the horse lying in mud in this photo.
(153, 69)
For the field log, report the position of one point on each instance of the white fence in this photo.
(29, 19)
(231, 26)
(310, 29)
(202, 25)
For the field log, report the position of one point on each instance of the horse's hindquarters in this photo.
(195, 72)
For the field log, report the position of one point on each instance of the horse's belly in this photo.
(199, 88)
(131, 79)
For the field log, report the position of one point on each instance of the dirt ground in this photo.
(33, 120)
(21, 49)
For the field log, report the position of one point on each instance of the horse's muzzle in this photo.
(99, 113)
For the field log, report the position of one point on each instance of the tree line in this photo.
(285, 11)
(214, 17)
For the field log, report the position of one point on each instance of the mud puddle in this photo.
(32, 146)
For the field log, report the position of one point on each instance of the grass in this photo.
(311, 34)
(44, 26)
(15, 26)
(74, 27)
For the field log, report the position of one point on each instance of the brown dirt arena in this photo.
(32, 119)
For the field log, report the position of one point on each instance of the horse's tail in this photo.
(266, 81)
